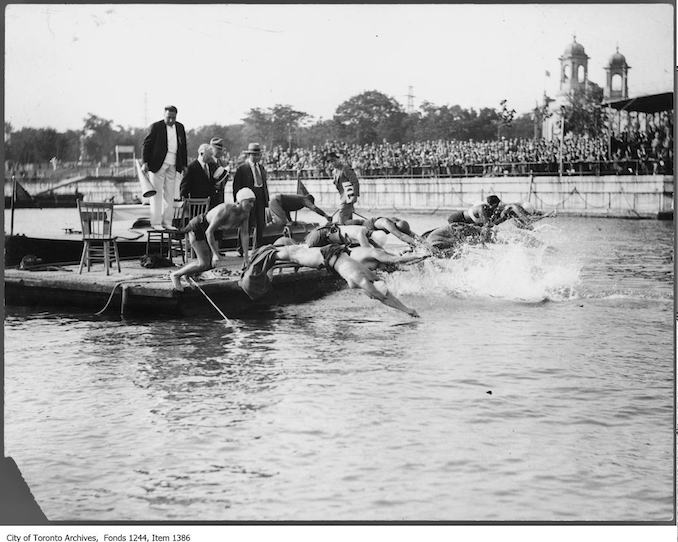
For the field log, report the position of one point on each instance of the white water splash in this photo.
(511, 269)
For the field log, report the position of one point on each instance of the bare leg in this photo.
(203, 252)
(379, 291)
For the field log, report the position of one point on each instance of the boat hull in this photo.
(68, 248)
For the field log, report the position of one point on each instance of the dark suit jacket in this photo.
(154, 148)
(244, 178)
(196, 184)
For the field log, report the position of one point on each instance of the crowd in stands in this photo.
(632, 151)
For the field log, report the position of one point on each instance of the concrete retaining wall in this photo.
(627, 196)
(644, 196)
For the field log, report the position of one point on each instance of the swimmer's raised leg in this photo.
(378, 290)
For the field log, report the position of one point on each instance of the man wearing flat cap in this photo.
(346, 182)
(220, 168)
(252, 175)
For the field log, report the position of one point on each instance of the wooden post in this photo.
(13, 200)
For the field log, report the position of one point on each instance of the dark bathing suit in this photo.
(322, 236)
(333, 251)
(198, 225)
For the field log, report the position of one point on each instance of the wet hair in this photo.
(171, 109)
(403, 226)
(493, 200)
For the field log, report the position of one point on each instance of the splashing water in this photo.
(518, 267)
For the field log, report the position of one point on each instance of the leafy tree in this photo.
(370, 117)
(285, 122)
(98, 136)
(318, 133)
(258, 124)
(584, 113)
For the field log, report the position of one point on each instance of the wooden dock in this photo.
(149, 292)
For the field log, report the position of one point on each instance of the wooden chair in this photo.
(170, 242)
(96, 220)
(192, 208)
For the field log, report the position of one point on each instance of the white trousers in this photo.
(162, 204)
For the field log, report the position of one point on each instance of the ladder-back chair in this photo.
(96, 220)
(192, 208)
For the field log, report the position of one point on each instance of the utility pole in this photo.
(410, 99)
(562, 133)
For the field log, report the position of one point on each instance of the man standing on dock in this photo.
(164, 155)
(252, 175)
(346, 182)
(198, 181)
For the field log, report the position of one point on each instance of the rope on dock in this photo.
(110, 297)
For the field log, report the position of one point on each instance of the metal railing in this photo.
(494, 169)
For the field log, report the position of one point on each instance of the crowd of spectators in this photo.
(630, 152)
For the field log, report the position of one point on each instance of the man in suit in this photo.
(252, 175)
(198, 181)
(164, 154)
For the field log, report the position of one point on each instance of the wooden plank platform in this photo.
(149, 292)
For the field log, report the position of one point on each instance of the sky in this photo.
(215, 62)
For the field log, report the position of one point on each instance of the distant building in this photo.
(617, 82)
(574, 76)
(574, 68)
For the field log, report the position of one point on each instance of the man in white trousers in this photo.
(165, 157)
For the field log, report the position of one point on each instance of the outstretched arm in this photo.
(212, 242)
(313, 207)
(389, 226)
(245, 239)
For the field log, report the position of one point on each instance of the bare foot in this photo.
(176, 282)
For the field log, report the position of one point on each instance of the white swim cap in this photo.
(529, 208)
(243, 194)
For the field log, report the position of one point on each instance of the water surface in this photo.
(537, 385)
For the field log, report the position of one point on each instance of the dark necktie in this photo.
(257, 176)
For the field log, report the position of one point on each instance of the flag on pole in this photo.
(301, 189)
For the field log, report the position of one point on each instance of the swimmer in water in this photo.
(374, 231)
(517, 211)
(356, 274)
(480, 214)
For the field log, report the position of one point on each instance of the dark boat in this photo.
(65, 245)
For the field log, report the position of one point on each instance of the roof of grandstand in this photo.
(650, 103)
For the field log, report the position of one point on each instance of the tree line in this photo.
(369, 117)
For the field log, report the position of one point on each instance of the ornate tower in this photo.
(574, 68)
(617, 84)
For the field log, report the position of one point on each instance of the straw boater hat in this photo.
(253, 148)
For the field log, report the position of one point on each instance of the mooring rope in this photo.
(210, 300)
